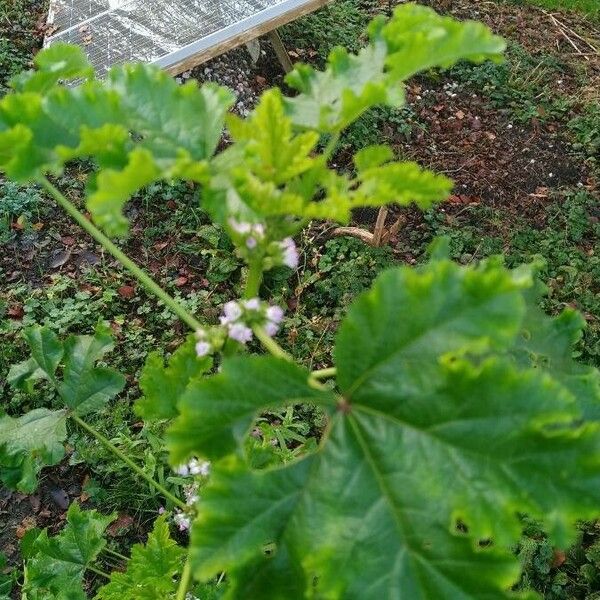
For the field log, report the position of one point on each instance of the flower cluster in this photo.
(193, 467)
(250, 233)
(289, 253)
(239, 317)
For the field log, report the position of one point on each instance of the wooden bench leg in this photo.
(280, 51)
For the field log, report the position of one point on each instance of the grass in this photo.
(589, 7)
(333, 272)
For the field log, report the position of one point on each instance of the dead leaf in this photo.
(37, 226)
(120, 526)
(126, 291)
(59, 259)
(180, 281)
(15, 311)
(459, 114)
(67, 240)
(558, 559)
(26, 524)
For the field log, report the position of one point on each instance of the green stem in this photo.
(108, 444)
(330, 147)
(270, 344)
(138, 273)
(254, 279)
(97, 571)
(324, 373)
(186, 578)
(115, 554)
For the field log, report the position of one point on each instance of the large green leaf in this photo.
(83, 387)
(55, 571)
(412, 319)
(150, 570)
(163, 386)
(28, 443)
(216, 413)
(419, 39)
(437, 443)
(138, 124)
(35, 440)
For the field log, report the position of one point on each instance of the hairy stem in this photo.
(254, 279)
(270, 344)
(115, 554)
(97, 571)
(186, 578)
(137, 469)
(324, 373)
(136, 271)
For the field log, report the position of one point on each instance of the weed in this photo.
(19, 207)
(585, 129)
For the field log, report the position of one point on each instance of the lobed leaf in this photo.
(439, 442)
(29, 443)
(58, 563)
(150, 570)
(216, 413)
(163, 386)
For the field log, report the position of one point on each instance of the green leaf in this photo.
(114, 188)
(163, 386)
(547, 343)
(438, 444)
(57, 62)
(411, 319)
(400, 183)
(28, 443)
(216, 413)
(57, 567)
(150, 570)
(84, 388)
(332, 99)
(415, 39)
(419, 39)
(273, 153)
(46, 350)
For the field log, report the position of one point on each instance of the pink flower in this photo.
(289, 253)
(240, 333)
(203, 348)
(275, 314)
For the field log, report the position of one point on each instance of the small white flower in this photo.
(290, 253)
(258, 229)
(182, 470)
(161, 510)
(240, 333)
(252, 304)
(199, 468)
(251, 243)
(203, 349)
(232, 311)
(182, 521)
(275, 314)
(240, 227)
(271, 328)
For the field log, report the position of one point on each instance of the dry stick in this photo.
(575, 34)
(379, 226)
(564, 34)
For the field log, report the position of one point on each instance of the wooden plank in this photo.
(261, 29)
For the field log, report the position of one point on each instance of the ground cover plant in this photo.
(308, 333)
(400, 457)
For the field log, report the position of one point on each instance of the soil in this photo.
(493, 161)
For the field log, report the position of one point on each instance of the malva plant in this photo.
(453, 406)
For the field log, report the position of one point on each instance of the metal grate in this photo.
(165, 32)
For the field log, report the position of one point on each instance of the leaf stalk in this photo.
(136, 468)
(113, 249)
